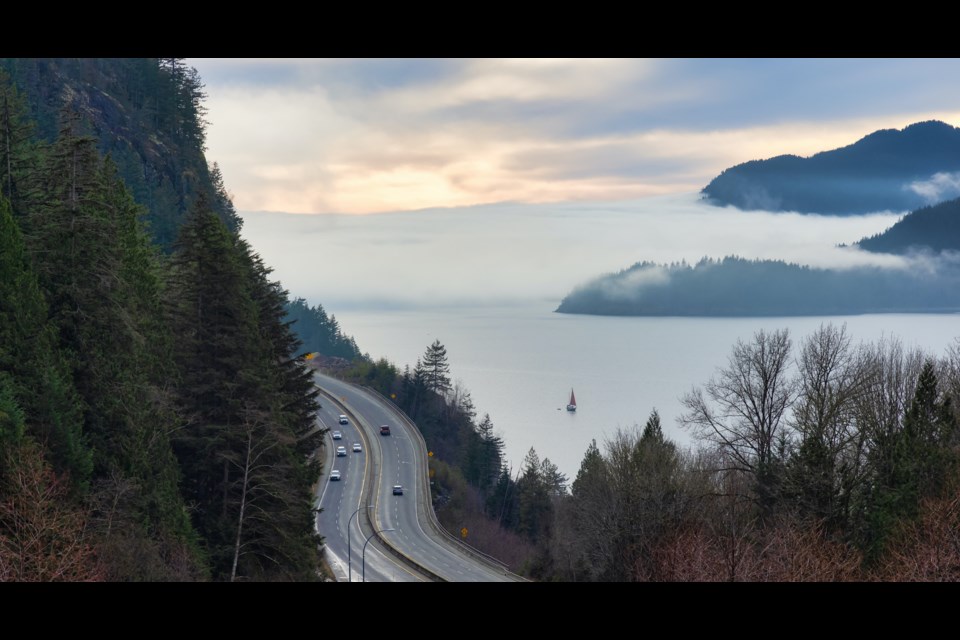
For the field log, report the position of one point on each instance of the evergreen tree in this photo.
(16, 144)
(483, 457)
(318, 332)
(436, 369)
(248, 405)
(502, 503)
(652, 431)
(415, 390)
(591, 514)
(533, 499)
(214, 318)
(38, 375)
(12, 419)
(285, 497)
(920, 462)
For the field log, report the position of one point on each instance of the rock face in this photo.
(888, 170)
(146, 113)
(327, 363)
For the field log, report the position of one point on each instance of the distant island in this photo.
(734, 286)
(890, 169)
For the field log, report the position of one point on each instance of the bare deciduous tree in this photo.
(741, 410)
(42, 535)
(828, 464)
(928, 550)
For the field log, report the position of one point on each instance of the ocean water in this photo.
(519, 364)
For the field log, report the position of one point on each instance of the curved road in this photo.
(396, 459)
(340, 501)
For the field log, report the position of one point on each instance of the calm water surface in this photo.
(519, 363)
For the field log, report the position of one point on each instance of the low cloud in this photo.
(513, 253)
(939, 187)
(632, 284)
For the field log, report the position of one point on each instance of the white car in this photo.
(357, 448)
(337, 435)
(341, 451)
(343, 419)
(335, 474)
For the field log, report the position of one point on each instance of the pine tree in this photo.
(37, 374)
(12, 419)
(287, 442)
(533, 498)
(436, 369)
(248, 405)
(214, 318)
(920, 463)
(318, 332)
(16, 143)
(483, 455)
(652, 431)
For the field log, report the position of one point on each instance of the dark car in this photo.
(384, 430)
(397, 490)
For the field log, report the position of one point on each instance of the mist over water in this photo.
(516, 253)
(485, 280)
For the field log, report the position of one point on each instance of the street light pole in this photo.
(349, 563)
(363, 572)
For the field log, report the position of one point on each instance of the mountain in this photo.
(935, 228)
(890, 169)
(146, 113)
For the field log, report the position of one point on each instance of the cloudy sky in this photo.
(371, 135)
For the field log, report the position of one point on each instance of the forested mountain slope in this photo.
(156, 423)
(890, 169)
(146, 113)
(934, 229)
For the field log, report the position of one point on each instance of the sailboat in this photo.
(572, 405)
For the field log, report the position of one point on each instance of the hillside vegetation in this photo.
(155, 421)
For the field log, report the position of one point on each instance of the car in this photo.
(341, 451)
(337, 435)
(343, 419)
(335, 475)
(398, 489)
(357, 448)
(385, 430)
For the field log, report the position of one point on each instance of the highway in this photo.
(341, 502)
(409, 529)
